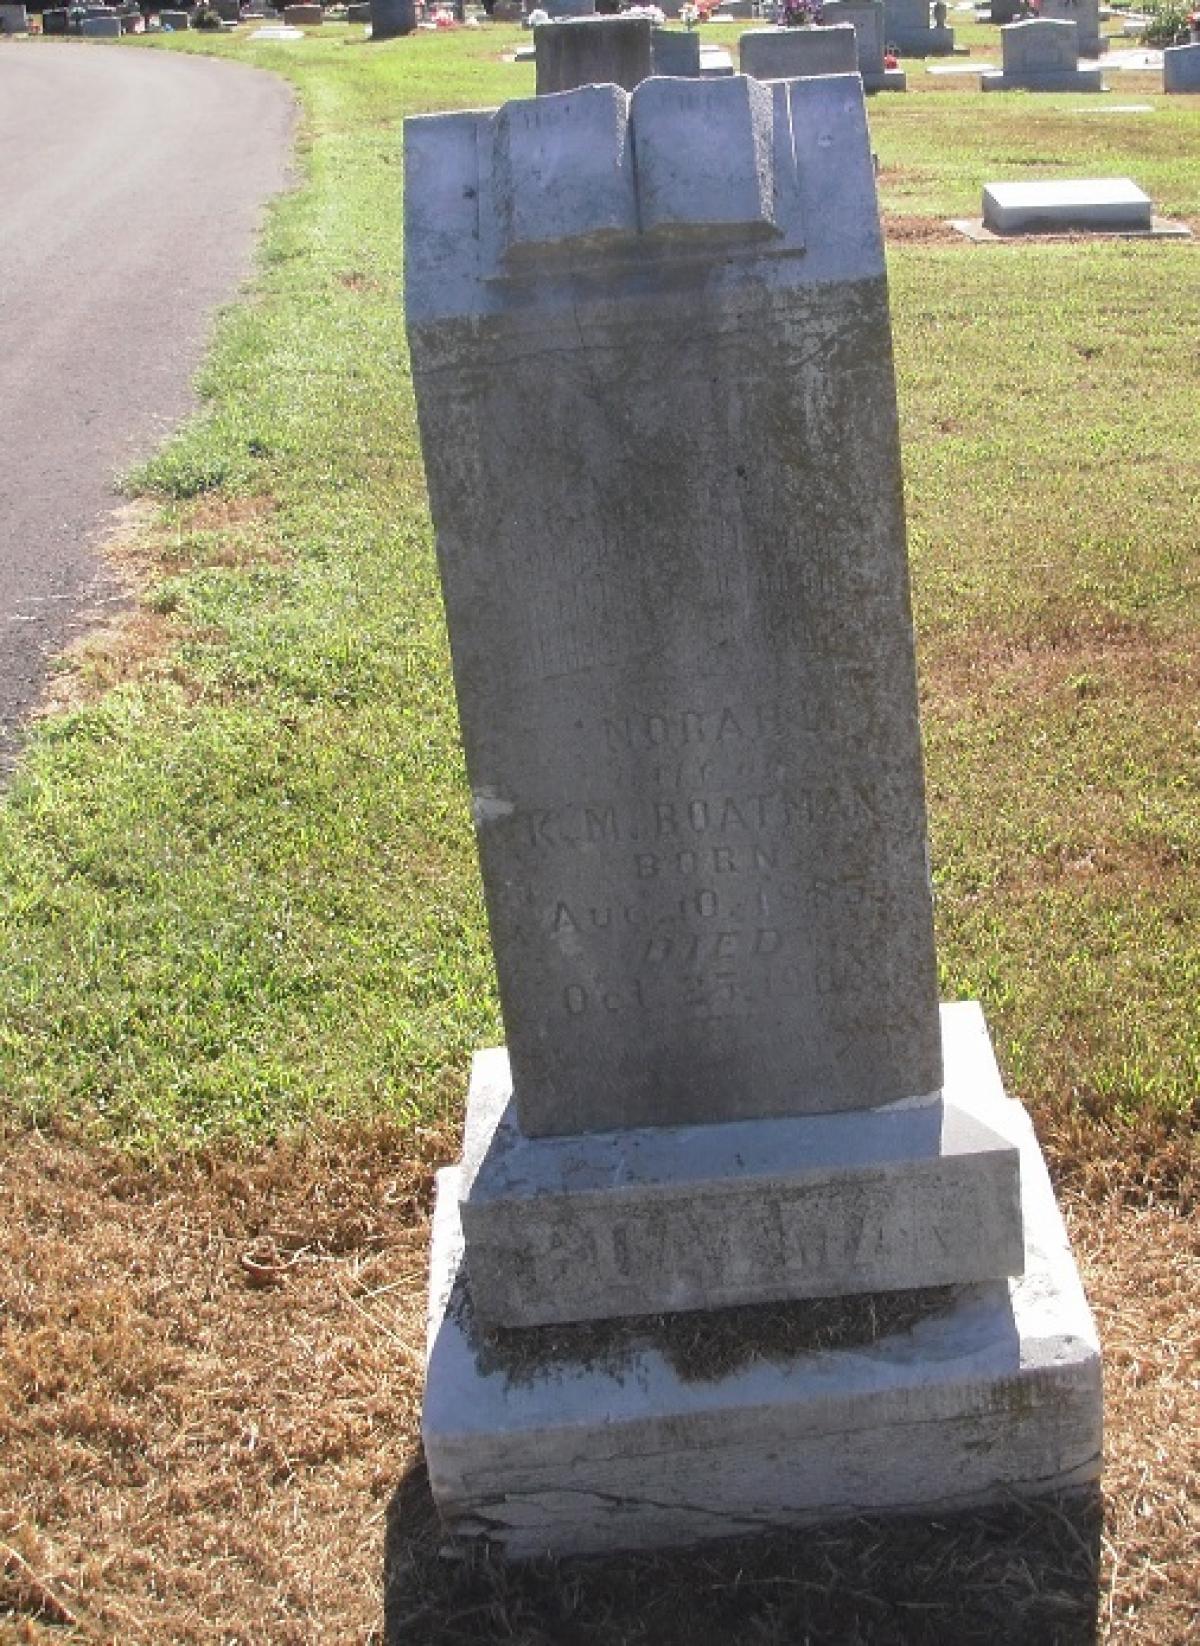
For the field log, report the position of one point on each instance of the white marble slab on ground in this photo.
(975, 66)
(1117, 108)
(278, 34)
(1066, 204)
(1133, 62)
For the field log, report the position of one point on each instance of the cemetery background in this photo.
(237, 891)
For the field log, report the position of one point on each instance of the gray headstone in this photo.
(1041, 55)
(101, 28)
(359, 11)
(390, 18)
(303, 16)
(786, 53)
(54, 20)
(14, 19)
(676, 51)
(680, 626)
(593, 51)
(908, 29)
(567, 8)
(229, 11)
(867, 18)
(1181, 68)
(1085, 14)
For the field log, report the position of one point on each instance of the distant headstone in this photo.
(785, 53)
(676, 51)
(229, 11)
(101, 28)
(908, 29)
(737, 9)
(683, 655)
(303, 16)
(177, 21)
(567, 8)
(1181, 68)
(867, 18)
(1006, 11)
(1041, 56)
(506, 11)
(1104, 203)
(1086, 15)
(14, 19)
(593, 51)
(392, 18)
(55, 20)
(359, 11)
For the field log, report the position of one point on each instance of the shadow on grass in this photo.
(1027, 1574)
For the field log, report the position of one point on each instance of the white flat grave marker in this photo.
(278, 34)
(1076, 203)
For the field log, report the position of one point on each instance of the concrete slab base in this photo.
(1161, 228)
(1080, 80)
(667, 1218)
(541, 1444)
(889, 80)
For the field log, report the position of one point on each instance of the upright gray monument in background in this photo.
(652, 353)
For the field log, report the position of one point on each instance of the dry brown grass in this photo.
(209, 1396)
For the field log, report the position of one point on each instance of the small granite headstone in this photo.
(302, 16)
(555, 9)
(1086, 15)
(101, 28)
(1181, 68)
(176, 21)
(359, 11)
(909, 31)
(867, 17)
(1041, 55)
(786, 53)
(683, 654)
(55, 20)
(14, 19)
(392, 18)
(593, 51)
(676, 51)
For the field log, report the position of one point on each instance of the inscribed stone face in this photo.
(1039, 47)
(653, 361)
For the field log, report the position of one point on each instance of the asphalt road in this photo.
(131, 185)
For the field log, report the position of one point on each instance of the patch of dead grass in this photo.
(910, 229)
(189, 1456)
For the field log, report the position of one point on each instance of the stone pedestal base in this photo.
(661, 1219)
(1078, 80)
(589, 1439)
(889, 80)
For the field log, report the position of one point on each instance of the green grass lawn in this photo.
(237, 886)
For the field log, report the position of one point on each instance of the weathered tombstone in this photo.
(676, 51)
(101, 28)
(1099, 203)
(593, 51)
(908, 29)
(392, 18)
(737, 8)
(55, 20)
(868, 21)
(683, 655)
(300, 16)
(568, 8)
(229, 11)
(174, 20)
(785, 53)
(506, 11)
(1041, 56)
(359, 11)
(14, 19)
(1086, 15)
(1006, 11)
(1181, 68)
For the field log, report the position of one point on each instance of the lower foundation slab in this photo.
(994, 1391)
